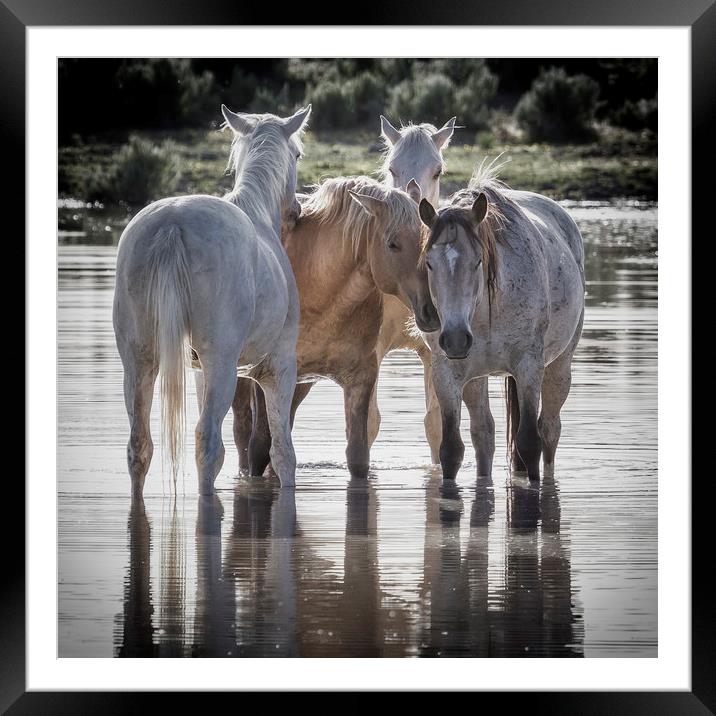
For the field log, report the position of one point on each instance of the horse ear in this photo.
(391, 134)
(479, 209)
(240, 123)
(371, 204)
(297, 122)
(427, 213)
(414, 191)
(441, 138)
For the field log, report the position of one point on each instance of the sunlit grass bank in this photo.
(620, 164)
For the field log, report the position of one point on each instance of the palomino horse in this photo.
(415, 151)
(213, 272)
(506, 272)
(355, 241)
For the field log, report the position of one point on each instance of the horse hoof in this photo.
(359, 471)
(450, 471)
(206, 489)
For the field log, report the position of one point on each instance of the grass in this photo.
(620, 164)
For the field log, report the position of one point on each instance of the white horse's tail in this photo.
(169, 299)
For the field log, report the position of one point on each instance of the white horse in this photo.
(413, 152)
(508, 284)
(213, 273)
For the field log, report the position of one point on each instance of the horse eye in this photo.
(478, 264)
(437, 176)
(427, 263)
(298, 156)
(393, 245)
(393, 172)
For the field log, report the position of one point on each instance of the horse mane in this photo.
(500, 211)
(410, 136)
(260, 161)
(332, 204)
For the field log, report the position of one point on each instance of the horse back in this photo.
(555, 222)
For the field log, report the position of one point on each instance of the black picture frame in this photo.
(699, 15)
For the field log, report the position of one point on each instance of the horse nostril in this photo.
(468, 342)
(441, 341)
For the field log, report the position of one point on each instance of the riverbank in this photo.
(621, 165)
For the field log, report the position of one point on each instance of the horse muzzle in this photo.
(456, 343)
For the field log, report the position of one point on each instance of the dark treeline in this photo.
(550, 99)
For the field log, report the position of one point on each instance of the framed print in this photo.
(460, 426)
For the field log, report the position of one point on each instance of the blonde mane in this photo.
(332, 203)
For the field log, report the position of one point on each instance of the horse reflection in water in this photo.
(137, 630)
(263, 590)
(139, 637)
(520, 608)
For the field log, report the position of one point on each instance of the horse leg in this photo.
(518, 464)
(199, 387)
(278, 386)
(356, 396)
(373, 416)
(432, 420)
(528, 379)
(299, 395)
(449, 395)
(482, 425)
(259, 450)
(513, 421)
(139, 377)
(220, 386)
(241, 407)
(555, 389)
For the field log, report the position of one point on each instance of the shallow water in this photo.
(400, 565)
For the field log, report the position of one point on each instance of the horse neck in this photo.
(250, 195)
(321, 251)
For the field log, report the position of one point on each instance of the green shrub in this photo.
(365, 95)
(559, 107)
(429, 98)
(199, 98)
(330, 106)
(138, 173)
(485, 140)
(241, 90)
(313, 72)
(167, 90)
(394, 69)
(472, 98)
(265, 100)
(642, 114)
(462, 69)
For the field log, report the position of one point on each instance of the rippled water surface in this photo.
(400, 565)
